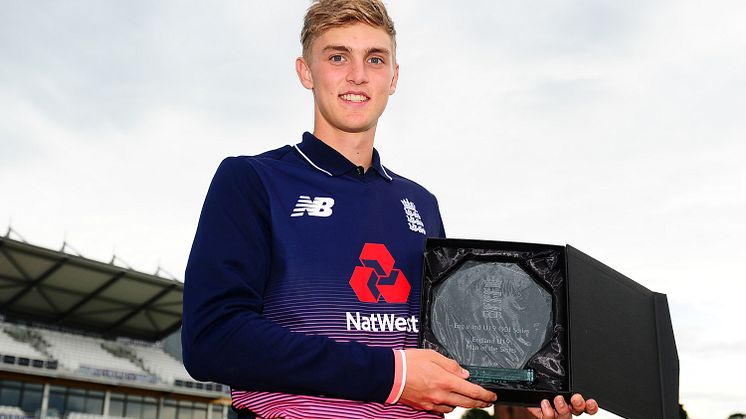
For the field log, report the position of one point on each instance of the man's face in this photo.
(352, 72)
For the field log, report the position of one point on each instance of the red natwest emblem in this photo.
(377, 277)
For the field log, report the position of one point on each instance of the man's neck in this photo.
(355, 147)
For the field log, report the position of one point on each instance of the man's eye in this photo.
(336, 58)
(376, 60)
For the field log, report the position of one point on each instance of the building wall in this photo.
(50, 399)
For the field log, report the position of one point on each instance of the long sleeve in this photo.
(225, 337)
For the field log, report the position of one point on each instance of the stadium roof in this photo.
(57, 288)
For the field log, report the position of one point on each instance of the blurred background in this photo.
(615, 127)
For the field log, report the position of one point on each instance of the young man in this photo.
(303, 283)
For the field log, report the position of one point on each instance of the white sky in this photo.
(617, 127)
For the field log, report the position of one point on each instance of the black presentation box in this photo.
(610, 339)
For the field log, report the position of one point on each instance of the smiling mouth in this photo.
(354, 97)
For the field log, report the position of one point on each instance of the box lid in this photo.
(622, 349)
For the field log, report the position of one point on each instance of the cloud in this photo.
(96, 65)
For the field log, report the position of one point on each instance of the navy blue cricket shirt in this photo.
(303, 275)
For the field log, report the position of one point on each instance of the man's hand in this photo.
(578, 405)
(437, 383)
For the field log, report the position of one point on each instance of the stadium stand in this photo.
(76, 415)
(82, 339)
(17, 347)
(165, 366)
(14, 347)
(12, 412)
(87, 355)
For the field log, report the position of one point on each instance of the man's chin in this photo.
(348, 125)
(356, 128)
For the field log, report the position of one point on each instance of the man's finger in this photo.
(463, 393)
(578, 404)
(454, 399)
(547, 411)
(473, 391)
(591, 407)
(458, 385)
(563, 410)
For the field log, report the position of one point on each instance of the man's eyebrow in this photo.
(369, 51)
(340, 48)
(374, 50)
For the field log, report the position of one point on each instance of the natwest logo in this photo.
(377, 277)
(378, 322)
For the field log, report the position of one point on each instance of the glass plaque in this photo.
(492, 317)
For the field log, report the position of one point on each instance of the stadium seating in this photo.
(169, 369)
(10, 346)
(12, 412)
(72, 333)
(17, 348)
(76, 352)
(76, 415)
(41, 347)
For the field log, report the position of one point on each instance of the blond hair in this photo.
(326, 14)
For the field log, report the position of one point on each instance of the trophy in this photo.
(493, 317)
(532, 321)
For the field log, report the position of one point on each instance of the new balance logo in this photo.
(316, 207)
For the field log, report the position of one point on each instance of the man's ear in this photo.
(304, 72)
(394, 80)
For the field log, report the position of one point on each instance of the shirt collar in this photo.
(329, 161)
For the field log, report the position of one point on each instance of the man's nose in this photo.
(358, 73)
